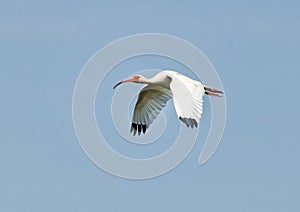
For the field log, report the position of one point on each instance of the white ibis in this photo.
(187, 97)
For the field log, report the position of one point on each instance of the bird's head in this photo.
(135, 79)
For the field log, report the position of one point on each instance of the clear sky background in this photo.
(255, 48)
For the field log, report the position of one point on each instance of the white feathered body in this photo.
(187, 97)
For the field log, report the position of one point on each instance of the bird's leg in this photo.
(212, 94)
(212, 91)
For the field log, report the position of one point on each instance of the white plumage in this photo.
(187, 97)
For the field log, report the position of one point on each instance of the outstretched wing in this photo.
(188, 98)
(151, 100)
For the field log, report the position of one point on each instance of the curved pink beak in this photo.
(132, 79)
(116, 85)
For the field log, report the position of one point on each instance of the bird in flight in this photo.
(187, 97)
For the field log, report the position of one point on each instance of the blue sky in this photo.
(254, 46)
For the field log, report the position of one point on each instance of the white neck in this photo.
(157, 80)
(144, 80)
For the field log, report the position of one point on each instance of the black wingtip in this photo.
(144, 128)
(189, 122)
(138, 128)
(133, 127)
